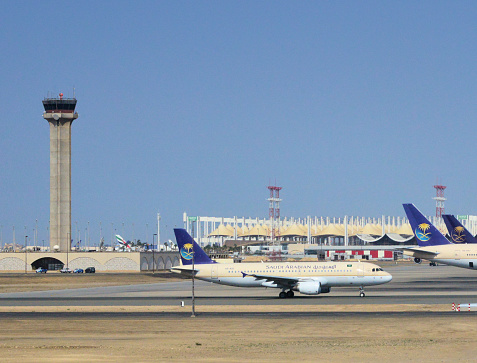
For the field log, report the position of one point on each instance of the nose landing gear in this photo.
(361, 292)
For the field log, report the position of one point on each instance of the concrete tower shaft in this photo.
(60, 115)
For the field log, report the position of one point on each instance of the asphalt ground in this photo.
(412, 284)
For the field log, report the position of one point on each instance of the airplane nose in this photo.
(388, 278)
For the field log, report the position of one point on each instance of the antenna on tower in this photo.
(74, 93)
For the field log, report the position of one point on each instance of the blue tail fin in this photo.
(426, 234)
(188, 248)
(457, 232)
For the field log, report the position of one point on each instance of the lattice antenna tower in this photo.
(274, 212)
(440, 199)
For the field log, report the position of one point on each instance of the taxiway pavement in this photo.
(412, 284)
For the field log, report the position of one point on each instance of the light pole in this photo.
(193, 282)
(26, 237)
(67, 248)
(155, 234)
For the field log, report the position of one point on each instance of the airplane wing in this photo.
(287, 282)
(419, 253)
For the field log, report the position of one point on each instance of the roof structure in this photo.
(405, 230)
(294, 230)
(372, 230)
(258, 231)
(222, 231)
(336, 230)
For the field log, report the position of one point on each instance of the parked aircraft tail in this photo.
(457, 232)
(426, 234)
(122, 242)
(188, 248)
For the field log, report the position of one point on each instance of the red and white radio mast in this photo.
(274, 212)
(440, 199)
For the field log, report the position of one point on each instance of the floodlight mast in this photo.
(193, 280)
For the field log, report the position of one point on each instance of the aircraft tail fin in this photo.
(426, 234)
(188, 248)
(457, 232)
(122, 242)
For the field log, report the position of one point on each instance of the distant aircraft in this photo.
(457, 232)
(122, 242)
(309, 278)
(433, 246)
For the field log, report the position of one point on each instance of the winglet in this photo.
(244, 274)
(426, 234)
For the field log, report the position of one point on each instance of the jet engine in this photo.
(269, 284)
(309, 287)
(417, 260)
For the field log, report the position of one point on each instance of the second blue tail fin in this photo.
(457, 232)
(426, 234)
(188, 248)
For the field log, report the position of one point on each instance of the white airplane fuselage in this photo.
(328, 274)
(459, 255)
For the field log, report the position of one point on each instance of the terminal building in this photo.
(321, 237)
(101, 261)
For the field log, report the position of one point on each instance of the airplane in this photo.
(433, 246)
(457, 232)
(122, 243)
(309, 278)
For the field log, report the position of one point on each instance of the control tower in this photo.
(60, 113)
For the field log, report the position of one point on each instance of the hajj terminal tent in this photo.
(257, 231)
(370, 233)
(242, 230)
(372, 230)
(223, 231)
(404, 230)
(331, 230)
(294, 231)
(315, 229)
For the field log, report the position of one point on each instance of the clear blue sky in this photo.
(352, 107)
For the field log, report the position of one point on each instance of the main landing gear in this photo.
(286, 294)
(361, 292)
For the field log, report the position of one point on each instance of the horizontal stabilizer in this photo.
(427, 255)
(184, 271)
